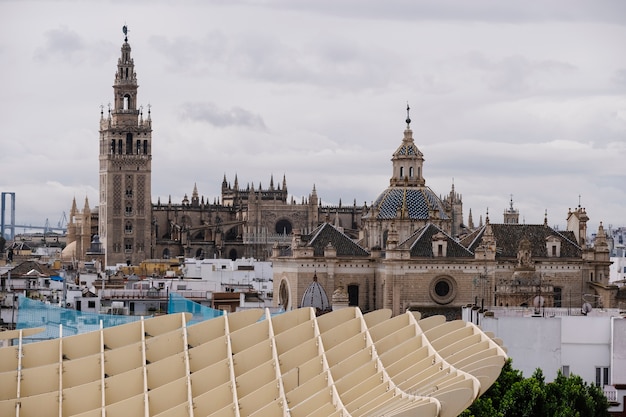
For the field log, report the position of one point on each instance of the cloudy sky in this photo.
(507, 98)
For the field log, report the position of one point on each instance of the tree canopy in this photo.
(512, 395)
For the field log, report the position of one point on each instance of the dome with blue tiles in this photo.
(408, 203)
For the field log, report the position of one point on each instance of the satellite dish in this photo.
(586, 308)
(538, 301)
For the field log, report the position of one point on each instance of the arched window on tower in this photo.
(401, 172)
(411, 172)
(128, 227)
(129, 143)
(119, 146)
(419, 172)
(112, 146)
(145, 147)
(126, 104)
(138, 150)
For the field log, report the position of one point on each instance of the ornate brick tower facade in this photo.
(125, 170)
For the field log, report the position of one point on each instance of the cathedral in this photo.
(409, 250)
(414, 253)
(246, 221)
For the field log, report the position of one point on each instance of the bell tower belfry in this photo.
(125, 207)
(407, 160)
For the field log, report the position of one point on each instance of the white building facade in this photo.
(592, 346)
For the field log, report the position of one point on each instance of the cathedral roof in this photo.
(326, 234)
(509, 236)
(420, 243)
(413, 203)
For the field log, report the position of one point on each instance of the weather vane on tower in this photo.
(125, 30)
(408, 117)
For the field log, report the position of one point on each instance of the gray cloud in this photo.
(212, 114)
(60, 44)
(507, 97)
(612, 11)
(339, 62)
(515, 74)
(619, 77)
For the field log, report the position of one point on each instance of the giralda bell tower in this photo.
(125, 207)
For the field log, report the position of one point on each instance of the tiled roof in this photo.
(508, 237)
(418, 203)
(420, 243)
(407, 149)
(327, 233)
(27, 266)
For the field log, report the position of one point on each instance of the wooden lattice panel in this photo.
(251, 364)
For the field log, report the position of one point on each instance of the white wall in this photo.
(618, 365)
(581, 342)
(585, 342)
(532, 342)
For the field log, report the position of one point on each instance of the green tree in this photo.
(512, 395)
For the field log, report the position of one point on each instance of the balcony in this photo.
(610, 393)
(118, 294)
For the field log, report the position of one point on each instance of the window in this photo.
(353, 295)
(411, 172)
(129, 143)
(443, 290)
(602, 376)
(565, 370)
(401, 172)
(128, 247)
(440, 250)
(138, 147)
(128, 228)
(145, 147)
(558, 297)
(283, 227)
(91, 304)
(126, 97)
(129, 209)
(553, 250)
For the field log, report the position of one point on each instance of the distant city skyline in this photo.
(506, 99)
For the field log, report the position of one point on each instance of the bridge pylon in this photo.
(11, 226)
